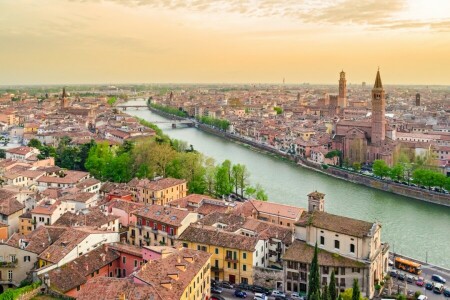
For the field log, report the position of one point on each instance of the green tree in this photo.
(397, 171)
(2, 153)
(332, 290)
(260, 193)
(380, 168)
(335, 155)
(314, 276)
(250, 192)
(356, 166)
(210, 175)
(325, 294)
(279, 110)
(356, 294)
(35, 143)
(223, 184)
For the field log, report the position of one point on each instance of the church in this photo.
(363, 141)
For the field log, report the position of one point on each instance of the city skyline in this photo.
(229, 42)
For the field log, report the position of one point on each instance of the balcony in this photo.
(147, 239)
(8, 264)
(155, 230)
(216, 269)
(231, 259)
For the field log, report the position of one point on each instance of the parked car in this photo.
(401, 276)
(429, 286)
(393, 274)
(227, 285)
(260, 289)
(296, 296)
(409, 279)
(420, 281)
(278, 294)
(217, 297)
(243, 286)
(240, 294)
(391, 263)
(438, 278)
(216, 290)
(447, 292)
(260, 296)
(422, 297)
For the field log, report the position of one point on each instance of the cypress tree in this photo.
(332, 288)
(356, 295)
(325, 294)
(314, 277)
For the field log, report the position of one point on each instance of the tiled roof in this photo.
(300, 251)
(157, 271)
(73, 274)
(81, 197)
(20, 150)
(113, 288)
(335, 223)
(39, 239)
(92, 217)
(159, 213)
(8, 203)
(64, 245)
(155, 185)
(208, 235)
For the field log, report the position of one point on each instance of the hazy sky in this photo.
(253, 41)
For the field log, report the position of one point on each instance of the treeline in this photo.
(219, 123)
(157, 156)
(169, 110)
(405, 172)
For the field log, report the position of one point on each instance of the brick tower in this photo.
(378, 111)
(342, 99)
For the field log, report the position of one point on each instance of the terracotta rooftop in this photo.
(208, 235)
(157, 271)
(75, 273)
(20, 150)
(113, 288)
(168, 215)
(335, 223)
(8, 202)
(300, 251)
(155, 185)
(81, 197)
(39, 239)
(92, 217)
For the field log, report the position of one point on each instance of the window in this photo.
(124, 260)
(235, 266)
(229, 265)
(185, 245)
(325, 270)
(244, 255)
(10, 275)
(342, 271)
(26, 258)
(124, 273)
(164, 228)
(244, 268)
(216, 251)
(135, 263)
(78, 288)
(336, 244)
(352, 248)
(322, 240)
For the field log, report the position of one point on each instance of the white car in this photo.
(296, 296)
(260, 296)
(278, 293)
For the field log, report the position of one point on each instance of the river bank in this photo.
(354, 177)
(415, 228)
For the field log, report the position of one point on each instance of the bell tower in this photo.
(378, 111)
(316, 201)
(342, 99)
(64, 100)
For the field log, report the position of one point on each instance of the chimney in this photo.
(103, 257)
(86, 265)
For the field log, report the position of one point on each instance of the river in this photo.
(412, 227)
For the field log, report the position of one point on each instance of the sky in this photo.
(233, 41)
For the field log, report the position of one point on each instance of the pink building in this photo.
(130, 259)
(156, 252)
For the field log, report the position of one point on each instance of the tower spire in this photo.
(378, 84)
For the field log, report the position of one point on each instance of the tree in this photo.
(223, 185)
(314, 277)
(35, 143)
(332, 287)
(250, 192)
(356, 166)
(325, 294)
(260, 193)
(2, 153)
(356, 294)
(334, 155)
(380, 168)
(397, 171)
(210, 175)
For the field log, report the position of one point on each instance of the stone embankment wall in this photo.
(392, 187)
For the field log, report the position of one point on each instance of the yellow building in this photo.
(233, 256)
(160, 191)
(25, 223)
(30, 128)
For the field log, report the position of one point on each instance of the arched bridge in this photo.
(125, 107)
